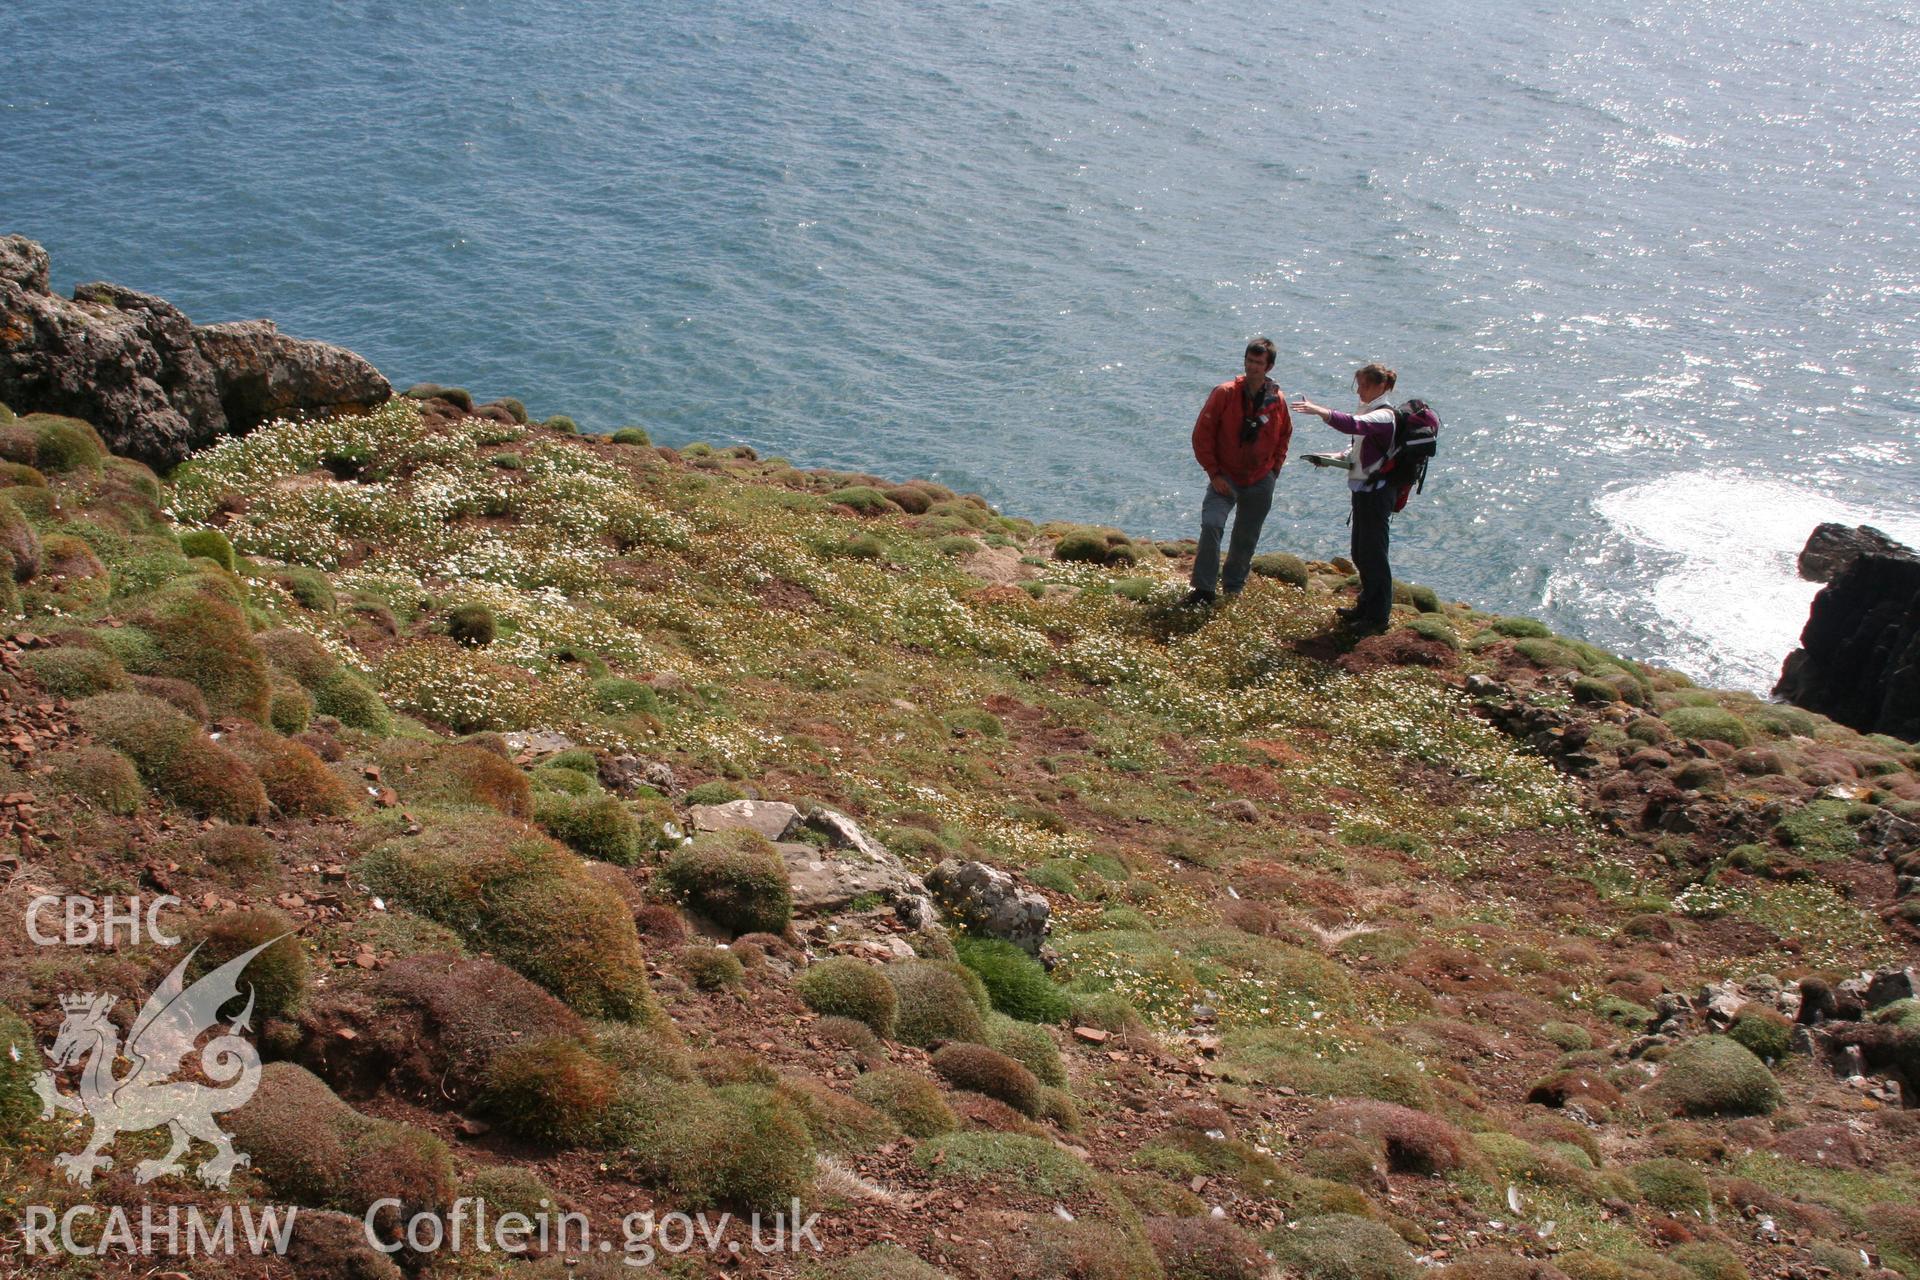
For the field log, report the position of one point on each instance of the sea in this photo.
(1655, 262)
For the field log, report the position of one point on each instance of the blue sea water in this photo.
(1655, 260)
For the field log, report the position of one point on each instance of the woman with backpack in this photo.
(1374, 493)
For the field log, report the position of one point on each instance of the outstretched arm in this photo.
(1375, 424)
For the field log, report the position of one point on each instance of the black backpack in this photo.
(1416, 438)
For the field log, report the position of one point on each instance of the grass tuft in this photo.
(1016, 983)
(935, 1003)
(735, 878)
(844, 987)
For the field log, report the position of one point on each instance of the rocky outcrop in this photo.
(832, 865)
(624, 775)
(1833, 1021)
(156, 385)
(1832, 547)
(769, 818)
(986, 902)
(1859, 655)
(263, 374)
(827, 881)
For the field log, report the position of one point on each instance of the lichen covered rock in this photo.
(985, 901)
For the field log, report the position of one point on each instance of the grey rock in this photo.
(1889, 985)
(624, 775)
(769, 818)
(1890, 835)
(1832, 547)
(1671, 1004)
(826, 881)
(853, 847)
(987, 903)
(155, 385)
(531, 744)
(1723, 1001)
(1641, 1044)
(1238, 810)
(25, 264)
(1682, 821)
(841, 832)
(124, 361)
(1584, 763)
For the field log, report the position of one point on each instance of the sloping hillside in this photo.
(1468, 946)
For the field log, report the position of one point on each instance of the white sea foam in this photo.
(1735, 592)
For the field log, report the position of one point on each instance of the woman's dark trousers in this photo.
(1371, 512)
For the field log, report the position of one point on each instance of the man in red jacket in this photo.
(1240, 440)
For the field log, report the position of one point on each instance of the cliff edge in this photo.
(154, 384)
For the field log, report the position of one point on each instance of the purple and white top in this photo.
(1372, 428)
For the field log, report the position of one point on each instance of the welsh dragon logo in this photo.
(146, 1097)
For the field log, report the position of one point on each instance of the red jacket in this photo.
(1216, 434)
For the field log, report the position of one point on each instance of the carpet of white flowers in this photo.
(661, 572)
(1821, 925)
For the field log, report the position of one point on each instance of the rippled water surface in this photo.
(1656, 262)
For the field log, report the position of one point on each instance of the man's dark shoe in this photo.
(1197, 599)
(1365, 626)
(1346, 615)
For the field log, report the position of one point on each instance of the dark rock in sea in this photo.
(1832, 547)
(156, 385)
(1859, 655)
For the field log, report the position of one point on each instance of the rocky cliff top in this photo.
(155, 385)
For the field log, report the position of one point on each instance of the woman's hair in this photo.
(1375, 374)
